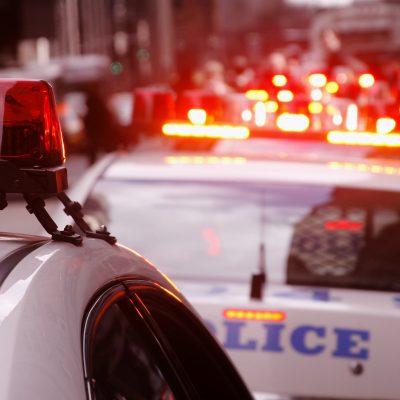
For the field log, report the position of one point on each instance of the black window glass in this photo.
(122, 366)
(206, 367)
(150, 345)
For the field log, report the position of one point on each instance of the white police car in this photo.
(291, 259)
(83, 317)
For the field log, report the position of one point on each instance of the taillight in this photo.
(31, 133)
(344, 225)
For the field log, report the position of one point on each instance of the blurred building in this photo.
(134, 35)
(146, 41)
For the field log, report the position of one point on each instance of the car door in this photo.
(142, 342)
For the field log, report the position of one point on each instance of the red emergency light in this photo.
(32, 156)
(344, 225)
(31, 134)
(32, 151)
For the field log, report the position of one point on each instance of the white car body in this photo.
(329, 342)
(54, 302)
(42, 305)
(81, 316)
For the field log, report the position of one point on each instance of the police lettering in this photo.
(308, 340)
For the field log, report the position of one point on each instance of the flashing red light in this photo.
(254, 315)
(364, 138)
(279, 80)
(285, 96)
(344, 225)
(317, 80)
(31, 133)
(212, 131)
(289, 122)
(366, 80)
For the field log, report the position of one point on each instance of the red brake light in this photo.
(344, 225)
(31, 133)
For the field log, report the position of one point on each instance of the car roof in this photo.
(257, 160)
(46, 294)
(279, 167)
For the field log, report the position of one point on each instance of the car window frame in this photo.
(133, 291)
(227, 370)
(102, 301)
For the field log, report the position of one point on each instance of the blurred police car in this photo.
(291, 258)
(83, 317)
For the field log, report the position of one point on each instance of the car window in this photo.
(120, 364)
(146, 344)
(313, 234)
(191, 345)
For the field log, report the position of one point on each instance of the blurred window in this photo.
(141, 342)
(122, 365)
(321, 235)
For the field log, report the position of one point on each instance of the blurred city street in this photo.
(249, 149)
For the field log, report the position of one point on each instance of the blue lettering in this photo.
(298, 339)
(273, 337)
(321, 295)
(347, 341)
(233, 337)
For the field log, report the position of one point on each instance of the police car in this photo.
(82, 317)
(291, 258)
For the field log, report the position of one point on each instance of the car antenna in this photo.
(259, 279)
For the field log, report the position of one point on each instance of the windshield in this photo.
(320, 235)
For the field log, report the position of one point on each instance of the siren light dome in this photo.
(30, 129)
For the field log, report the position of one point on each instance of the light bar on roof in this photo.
(197, 116)
(206, 131)
(257, 95)
(288, 122)
(364, 138)
(385, 125)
